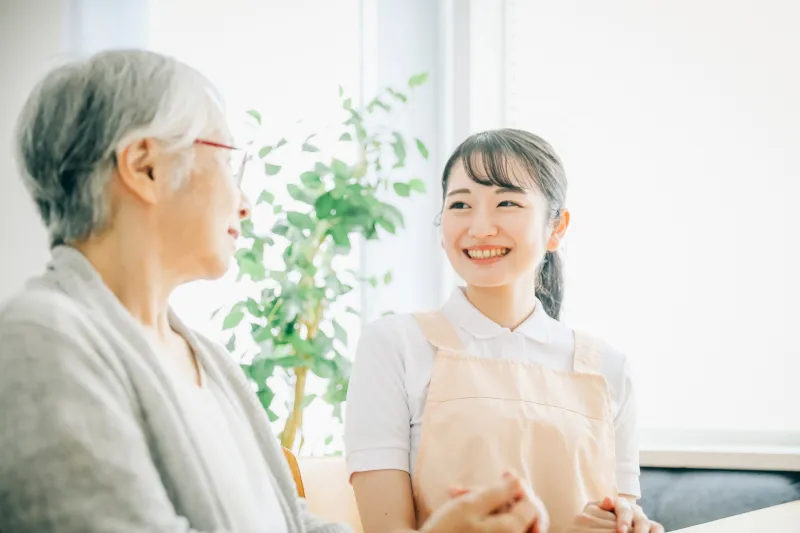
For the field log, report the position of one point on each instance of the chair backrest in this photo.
(326, 488)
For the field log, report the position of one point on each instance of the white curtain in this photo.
(679, 126)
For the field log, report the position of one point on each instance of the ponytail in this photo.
(550, 284)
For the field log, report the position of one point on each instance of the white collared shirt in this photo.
(393, 367)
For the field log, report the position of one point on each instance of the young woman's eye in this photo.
(458, 205)
(508, 203)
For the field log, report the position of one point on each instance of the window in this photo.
(285, 58)
(678, 126)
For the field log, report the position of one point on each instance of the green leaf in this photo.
(399, 146)
(272, 416)
(423, 150)
(328, 440)
(264, 152)
(281, 143)
(307, 400)
(419, 79)
(307, 147)
(271, 169)
(340, 237)
(399, 96)
(265, 196)
(417, 185)
(253, 268)
(311, 179)
(402, 189)
(373, 282)
(324, 368)
(262, 335)
(393, 214)
(280, 228)
(323, 206)
(265, 396)
(346, 137)
(341, 91)
(256, 115)
(261, 370)
(377, 102)
(340, 168)
(299, 194)
(348, 104)
(233, 319)
(339, 332)
(253, 308)
(387, 278)
(387, 225)
(278, 209)
(300, 220)
(290, 361)
(352, 311)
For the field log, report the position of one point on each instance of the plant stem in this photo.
(295, 420)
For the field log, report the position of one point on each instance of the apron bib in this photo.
(485, 416)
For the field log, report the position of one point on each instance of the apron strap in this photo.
(439, 331)
(588, 356)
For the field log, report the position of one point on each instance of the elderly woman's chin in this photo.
(209, 262)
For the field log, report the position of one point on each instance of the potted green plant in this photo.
(289, 323)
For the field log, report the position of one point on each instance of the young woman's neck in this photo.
(134, 271)
(508, 306)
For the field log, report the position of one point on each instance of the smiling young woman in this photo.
(494, 381)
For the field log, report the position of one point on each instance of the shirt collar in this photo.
(460, 311)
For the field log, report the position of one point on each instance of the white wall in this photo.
(30, 41)
(34, 37)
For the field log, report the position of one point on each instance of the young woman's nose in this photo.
(482, 225)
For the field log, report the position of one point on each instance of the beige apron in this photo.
(486, 416)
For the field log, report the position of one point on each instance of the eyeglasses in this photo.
(237, 161)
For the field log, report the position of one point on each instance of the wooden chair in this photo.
(295, 468)
(323, 483)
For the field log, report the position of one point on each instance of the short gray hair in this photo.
(82, 113)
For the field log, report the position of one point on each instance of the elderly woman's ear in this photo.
(140, 174)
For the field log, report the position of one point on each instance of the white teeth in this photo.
(486, 254)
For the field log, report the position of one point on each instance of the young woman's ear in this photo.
(559, 230)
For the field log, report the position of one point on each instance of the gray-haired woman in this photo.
(115, 416)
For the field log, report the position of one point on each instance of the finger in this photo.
(624, 512)
(531, 513)
(607, 504)
(655, 527)
(588, 522)
(457, 491)
(491, 499)
(504, 523)
(596, 512)
(641, 524)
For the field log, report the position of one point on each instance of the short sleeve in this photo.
(377, 416)
(626, 429)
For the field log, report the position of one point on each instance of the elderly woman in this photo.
(115, 416)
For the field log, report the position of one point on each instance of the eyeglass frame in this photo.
(240, 173)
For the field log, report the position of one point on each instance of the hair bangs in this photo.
(492, 161)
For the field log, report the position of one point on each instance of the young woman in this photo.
(444, 401)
